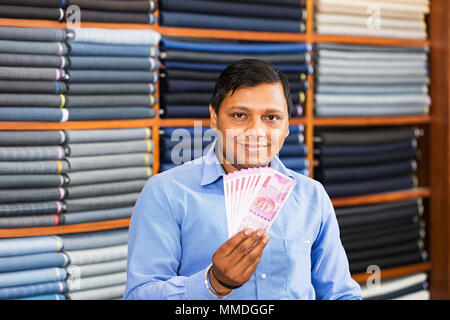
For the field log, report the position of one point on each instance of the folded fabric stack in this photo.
(385, 235)
(393, 19)
(33, 66)
(73, 176)
(359, 161)
(112, 74)
(190, 70)
(79, 266)
(412, 287)
(33, 9)
(180, 145)
(294, 152)
(359, 80)
(252, 15)
(135, 11)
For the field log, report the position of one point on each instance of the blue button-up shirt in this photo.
(179, 221)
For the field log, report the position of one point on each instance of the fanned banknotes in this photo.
(254, 196)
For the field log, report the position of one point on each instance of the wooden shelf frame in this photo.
(437, 122)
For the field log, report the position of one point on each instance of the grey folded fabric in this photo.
(35, 100)
(363, 111)
(114, 292)
(374, 208)
(110, 88)
(53, 87)
(30, 47)
(106, 135)
(31, 181)
(95, 282)
(85, 191)
(94, 239)
(31, 153)
(30, 221)
(89, 256)
(30, 60)
(31, 208)
(104, 148)
(33, 34)
(110, 161)
(31, 167)
(97, 215)
(110, 101)
(385, 251)
(362, 136)
(116, 36)
(97, 203)
(96, 269)
(31, 195)
(109, 175)
(368, 48)
(50, 74)
(31, 138)
(384, 213)
(371, 79)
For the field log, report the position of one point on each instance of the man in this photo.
(178, 236)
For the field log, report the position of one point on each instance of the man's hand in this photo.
(236, 260)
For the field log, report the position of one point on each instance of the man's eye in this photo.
(239, 115)
(272, 117)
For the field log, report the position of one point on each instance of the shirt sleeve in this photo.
(330, 272)
(154, 251)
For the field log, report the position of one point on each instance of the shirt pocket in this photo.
(298, 253)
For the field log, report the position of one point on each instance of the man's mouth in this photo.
(253, 147)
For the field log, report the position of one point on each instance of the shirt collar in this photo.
(213, 170)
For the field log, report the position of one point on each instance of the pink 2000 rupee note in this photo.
(268, 201)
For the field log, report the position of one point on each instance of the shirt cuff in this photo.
(196, 287)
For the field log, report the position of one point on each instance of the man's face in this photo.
(252, 125)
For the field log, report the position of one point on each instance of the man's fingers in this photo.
(251, 259)
(242, 248)
(235, 240)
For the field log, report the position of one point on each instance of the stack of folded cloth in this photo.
(79, 266)
(180, 145)
(33, 9)
(136, 11)
(73, 176)
(191, 68)
(385, 235)
(294, 152)
(252, 15)
(393, 19)
(33, 63)
(359, 161)
(411, 287)
(360, 80)
(112, 74)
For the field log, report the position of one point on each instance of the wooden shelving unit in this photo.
(435, 166)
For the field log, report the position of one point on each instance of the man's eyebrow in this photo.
(270, 110)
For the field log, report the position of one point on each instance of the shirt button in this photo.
(264, 276)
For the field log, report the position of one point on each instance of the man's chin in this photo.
(252, 164)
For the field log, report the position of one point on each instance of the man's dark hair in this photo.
(248, 73)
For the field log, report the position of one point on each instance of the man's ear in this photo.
(287, 131)
(213, 118)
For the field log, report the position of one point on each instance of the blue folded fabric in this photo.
(237, 48)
